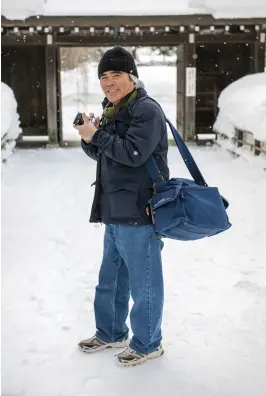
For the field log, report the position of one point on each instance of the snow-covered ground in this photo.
(215, 289)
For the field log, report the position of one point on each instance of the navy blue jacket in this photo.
(121, 147)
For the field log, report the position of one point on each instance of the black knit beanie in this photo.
(117, 59)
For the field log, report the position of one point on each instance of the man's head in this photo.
(114, 70)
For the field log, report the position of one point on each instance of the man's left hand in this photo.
(86, 130)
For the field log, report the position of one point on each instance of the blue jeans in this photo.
(131, 265)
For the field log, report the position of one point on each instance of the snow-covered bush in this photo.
(242, 105)
(10, 128)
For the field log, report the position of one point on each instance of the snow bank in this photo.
(15, 9)
(10, 128)
(243, 105)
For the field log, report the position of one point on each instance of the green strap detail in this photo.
(111, 110)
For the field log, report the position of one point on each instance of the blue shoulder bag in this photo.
(185, 209)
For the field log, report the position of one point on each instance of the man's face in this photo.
(116, 85)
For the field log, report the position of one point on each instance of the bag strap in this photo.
(187, 156)
(191, 165)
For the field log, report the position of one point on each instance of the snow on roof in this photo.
(231, 9)
(120, 7)
(17, 9)
(242, 105)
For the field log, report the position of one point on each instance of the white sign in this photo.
(191, 81)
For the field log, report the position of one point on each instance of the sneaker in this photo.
(129, 357)
(94, 344)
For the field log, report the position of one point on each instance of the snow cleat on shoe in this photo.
(129, 357)
(94, 344)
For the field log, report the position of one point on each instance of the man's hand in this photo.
(88, 128)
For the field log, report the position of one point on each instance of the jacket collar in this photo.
(141, 94)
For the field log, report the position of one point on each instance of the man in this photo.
(132, 128)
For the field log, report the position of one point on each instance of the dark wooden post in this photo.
(257, 147)
(59, 97)
(51, 89)
(259, 53)
(259, 66)
(180, 90)
(186, 89)
(240, 137)
(190, 90)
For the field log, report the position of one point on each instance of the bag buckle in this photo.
(156, 181)
(150, 212)
(160, 179)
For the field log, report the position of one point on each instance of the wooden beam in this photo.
(165, 39)
(226, 38)
(51, 90)
(145, 39)
(110, 40)
(17, 40)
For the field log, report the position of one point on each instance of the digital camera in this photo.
(79, 120)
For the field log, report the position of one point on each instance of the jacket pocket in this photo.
(118, 177)
(121, 204)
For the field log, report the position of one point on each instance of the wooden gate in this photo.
(23, 69)
(218, 65)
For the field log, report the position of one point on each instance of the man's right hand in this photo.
(97, 122)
